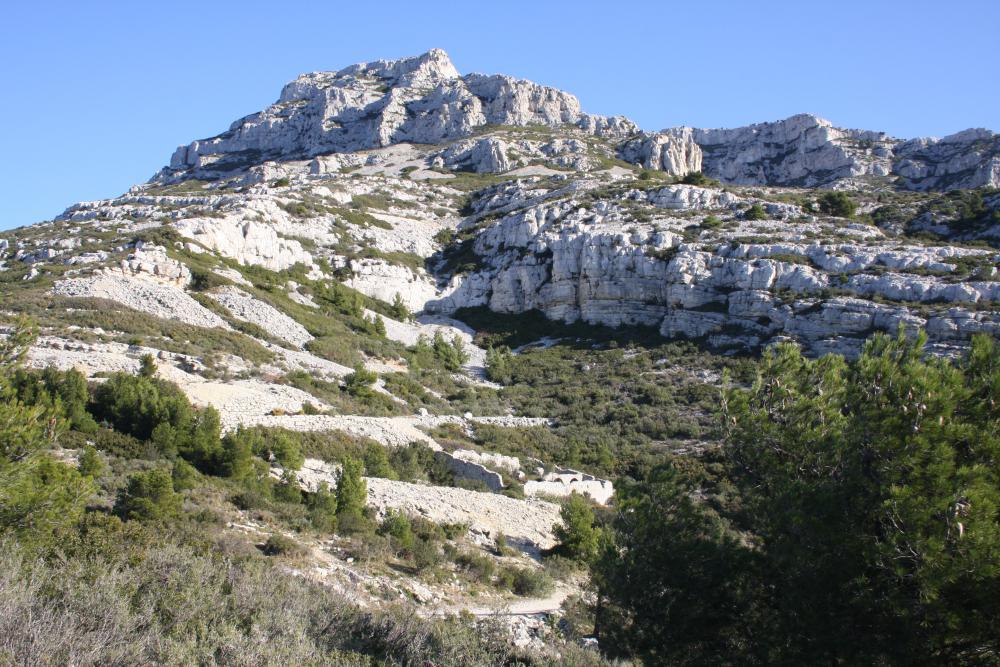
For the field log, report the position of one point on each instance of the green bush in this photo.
(479, 566)
(425, 554)
(853, 502)
(755, 212)
(322, 505)
(288, 490)
(711, 222)
(699, 179)
(158, 411)
(398, 528)
(90, 463)
(359, 383)
(279, 545)
(148, 496)
(526, 582)
(837, 203)
(578, 537)
(352, 493)
(64, 392)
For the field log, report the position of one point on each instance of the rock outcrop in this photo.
(419, 100)
(424, 100)
(572, 262)
(968, 159)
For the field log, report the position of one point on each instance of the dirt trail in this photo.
(523, 607)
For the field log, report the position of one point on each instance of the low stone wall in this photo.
(564, 482)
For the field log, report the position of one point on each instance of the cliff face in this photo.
(825, 282)
(424, 100)
(420, 100)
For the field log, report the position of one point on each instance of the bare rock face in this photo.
(565, 482)
(577, 263)
(248, 309)
(424, 100)
(420, 100)
(248, 242)
(802, 150)
(673, 151)
(968, 159)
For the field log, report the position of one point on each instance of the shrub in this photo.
(280, 545)
(699, 179)
(755, 212)
(711, 222)
(64, 392)
(148, 496)
(287, 490)
(498, 364)
(452, 355)
(378, 326)
(397, 526)
(147, 366)
(359, 383)
(184, 475)
(398, 309)
(285, 450)
(152, 409)
(322, 505)
(577, 536)
(377, 462)
(352, 493)
(425, 553)
(838, 204)
(479, 566)
(91, 464)
(526, 582)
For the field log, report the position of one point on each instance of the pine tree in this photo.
(322, 506)
(38, 495)
(578, 537)
(352, 492)
(399, 309)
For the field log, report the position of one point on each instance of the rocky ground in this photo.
(424, 192)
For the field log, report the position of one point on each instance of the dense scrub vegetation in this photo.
(853, 518)
(122, 557)
(852, 515)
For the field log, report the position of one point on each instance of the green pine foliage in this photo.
(755, 212)
(837, 203)
(399, 310)
(39, 496)
(577, 535)
(352, 492)
(149, 496)
(90, 463)
(322, 505)
(854, 518)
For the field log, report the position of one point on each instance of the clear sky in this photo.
(96, 95)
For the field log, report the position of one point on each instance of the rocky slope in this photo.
(261, 266)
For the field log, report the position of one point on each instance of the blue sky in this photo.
(97, 95)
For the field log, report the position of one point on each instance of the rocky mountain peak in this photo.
(422, 99)
(425, 100)
(430, 68)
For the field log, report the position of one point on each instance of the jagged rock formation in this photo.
(600, 265)
(968, 159)
(425, 100)
(371, 105)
